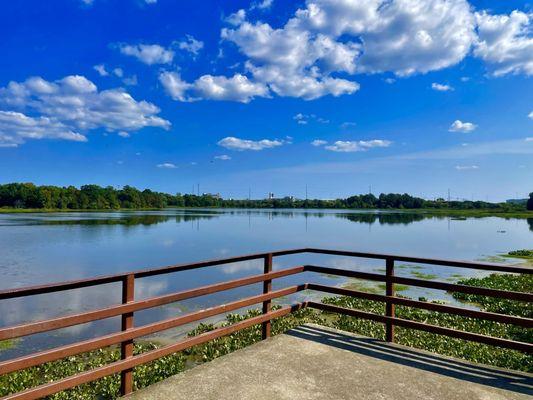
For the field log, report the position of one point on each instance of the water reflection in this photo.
(40, 248)
(382, 219)
(110, 219)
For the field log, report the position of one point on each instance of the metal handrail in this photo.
(128, 333)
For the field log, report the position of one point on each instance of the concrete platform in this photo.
(314, 362)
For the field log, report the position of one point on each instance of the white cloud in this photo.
(327, 37)
(530, 115)
(166, 165)
(150, 1)
(441, 87)
(466, 167)
(234, 143)
(317, 50)
(353, 146)
(236, 18)
(223, 157)
(237, 88)
(402, 36)
(118, 72)
(16, 127)
(505, 43)
(292, 61)
(318, 143)
(174, 85)
(124, 134)
(100, 68)
(262, 5)
(303, 119)
(148, 53)
(69, 107)
(191, 45)
(390, 81)
(529, 139)
(460, 126)
(300, 119)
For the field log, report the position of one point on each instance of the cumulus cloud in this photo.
(237, 88)
(318, 142)
(466, 167)
(292, 61)
(148, 53)
(530, 115)
(166, 165)
(505, 43)
(329, 37)
(354, 146)
(233, 143)
(460, 126)
(69, 107)
(223, 157)
(441, 87)
(16, 127)
(236, 18)
(191, 45)
(317, 50)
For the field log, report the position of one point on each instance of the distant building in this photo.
(213, 195)
(270, 196)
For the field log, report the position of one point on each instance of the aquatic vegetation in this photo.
(8, 344)
(422, 275)
(521, 253)
(517, 283)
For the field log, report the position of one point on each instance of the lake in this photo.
(40, 248)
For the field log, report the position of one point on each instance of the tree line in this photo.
(94, 197)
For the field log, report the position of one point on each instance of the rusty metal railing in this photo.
(129, 306)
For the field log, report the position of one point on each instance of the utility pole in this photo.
(198, 189)
(306, 192)
(449, 195)
(249, 193)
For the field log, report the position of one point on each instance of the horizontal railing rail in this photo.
(129, 306)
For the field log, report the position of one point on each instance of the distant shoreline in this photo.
(425, 211)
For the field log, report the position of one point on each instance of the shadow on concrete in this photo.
(466, 371)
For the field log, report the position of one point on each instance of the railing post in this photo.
(267, 287)
(389, 291)
(126, 348)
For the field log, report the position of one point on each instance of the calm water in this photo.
(41, 248)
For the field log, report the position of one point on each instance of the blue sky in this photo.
(403, 96)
